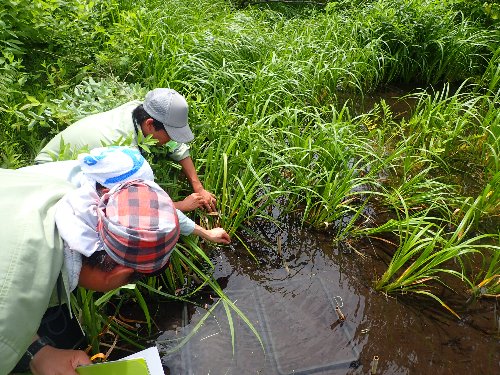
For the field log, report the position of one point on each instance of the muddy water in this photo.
(316, 313)
(401, 99)
(315, 310)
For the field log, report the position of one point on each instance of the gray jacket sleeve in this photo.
(186, 224)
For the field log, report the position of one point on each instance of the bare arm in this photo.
(218, 235)
(191, 202)
(189, 170)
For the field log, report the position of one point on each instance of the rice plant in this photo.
(487, 284)
(229, 306)
(413, 185)
(423, 253)
(444, 122)
(236, 173)
(99, 314)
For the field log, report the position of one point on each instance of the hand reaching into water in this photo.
(218, 235)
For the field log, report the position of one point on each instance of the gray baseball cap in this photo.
(171, 109)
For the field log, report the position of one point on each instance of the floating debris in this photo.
(374, 365)
(340, 313)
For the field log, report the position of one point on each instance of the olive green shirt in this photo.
(102, 129)
(31, 257)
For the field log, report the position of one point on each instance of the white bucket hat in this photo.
(171, 109)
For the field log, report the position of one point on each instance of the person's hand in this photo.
(209, 200)
(190, 203)
(218, 235)
(52, 361)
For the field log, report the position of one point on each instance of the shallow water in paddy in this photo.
(295, 301)
(291, 300)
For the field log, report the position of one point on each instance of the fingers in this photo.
(81, 359)
(225, 238)
(190, 203)
(203, 200)
(209, 200)
(220, 236)
(210, 204)
(53, 361)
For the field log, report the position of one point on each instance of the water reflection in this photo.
(293, 308)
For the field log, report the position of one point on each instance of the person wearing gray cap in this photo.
(163, 115)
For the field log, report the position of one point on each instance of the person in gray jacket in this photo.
(163, 115)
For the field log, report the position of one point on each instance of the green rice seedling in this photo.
(99, 313)
(487, 203)
(178, 343)
(193, 259)
(398, 226)
(414, 182)
(229, 307)
(445, 124)
(424, 253)
(179, 279)
(334, 195)
(235, 171)
(487, 283)
(84, 308)
(92, 310)
(322, 165)
(248, 196)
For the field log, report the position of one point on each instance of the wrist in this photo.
(41, 353)
(197, 186)
(41, 344)
(200, 231)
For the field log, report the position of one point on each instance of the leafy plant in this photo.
(422, 256)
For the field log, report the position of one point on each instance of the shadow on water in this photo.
(317, 313)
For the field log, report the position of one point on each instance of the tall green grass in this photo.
(267, 88)
(425, 252)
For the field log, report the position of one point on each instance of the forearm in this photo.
(190, 172)
(208, 198)
(200, 231)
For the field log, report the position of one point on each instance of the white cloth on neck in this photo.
(76, 212)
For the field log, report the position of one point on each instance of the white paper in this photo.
(152, 358)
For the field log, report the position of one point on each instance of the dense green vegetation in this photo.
(267, 84)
